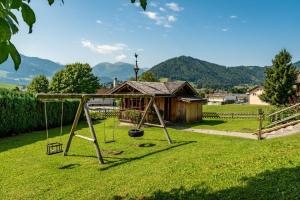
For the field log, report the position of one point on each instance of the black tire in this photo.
(136, 133)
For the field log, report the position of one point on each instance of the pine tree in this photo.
(280, 79)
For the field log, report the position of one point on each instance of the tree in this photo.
(280, 79)
(39, 84)
(148, 77)
(75, 78)
(9, 25)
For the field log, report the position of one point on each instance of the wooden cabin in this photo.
(177, 101)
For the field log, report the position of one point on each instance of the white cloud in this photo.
(99, 21)
(120, 57)
(103, 48)
(171, 18)
(151, 15)
(233, 17)
(225, 29)
(174, 6)
(140, 50)
(165, 21)
(162, 9)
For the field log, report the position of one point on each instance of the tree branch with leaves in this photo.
(9, 25)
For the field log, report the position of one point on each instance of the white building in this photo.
(254, 94)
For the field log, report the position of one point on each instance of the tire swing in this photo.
(135, 132)
(54, 147)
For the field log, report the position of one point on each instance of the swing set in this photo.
(56, 147)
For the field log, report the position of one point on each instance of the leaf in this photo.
(5, 33)
(14, 54)
(4, 52)
(15, 4)
(28, 16)
(132, 1)
(13, 27)
(50, 2)
(143, 4)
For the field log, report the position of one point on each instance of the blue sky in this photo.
(227, 32)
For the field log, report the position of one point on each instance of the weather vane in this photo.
(136, 68)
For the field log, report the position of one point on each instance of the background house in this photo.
(220, 98)
(254, 94)
(177, 101)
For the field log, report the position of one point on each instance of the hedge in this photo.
(22, 112)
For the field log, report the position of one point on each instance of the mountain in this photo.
(107, 71)
(297, 64)
(206, 74)
(30, 67)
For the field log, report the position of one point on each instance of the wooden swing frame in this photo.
(83, 106)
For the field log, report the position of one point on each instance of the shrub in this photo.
(22, 112)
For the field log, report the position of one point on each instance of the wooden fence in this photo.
(230, 115)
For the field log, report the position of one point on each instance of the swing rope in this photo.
(55, 147)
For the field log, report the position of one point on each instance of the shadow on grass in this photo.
(204, 122)
(122, 161)
(279, 184)
(70, 166)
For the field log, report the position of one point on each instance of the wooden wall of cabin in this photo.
(193, 112)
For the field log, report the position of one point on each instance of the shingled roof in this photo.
(156, 88)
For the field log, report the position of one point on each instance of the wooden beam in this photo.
(145, 112)
(162, 122)
(84, 137)
(90, 123)
(154, 125)
(74, 126)
(42, 96)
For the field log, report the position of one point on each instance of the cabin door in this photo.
(167, 109)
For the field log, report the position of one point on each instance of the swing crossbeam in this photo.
(84, 137)
(83, 106)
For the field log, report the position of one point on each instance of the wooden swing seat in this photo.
(54, 148)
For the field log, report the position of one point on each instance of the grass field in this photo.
(236, 108)
(239, 125)
(7, 85)
(196, 166)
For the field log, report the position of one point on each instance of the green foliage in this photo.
(75, 78)
(148, 77)
(21, 112)
(9, 25)
(207, 75)
(143, 3)
(39, 84)
(238, 90)
(280, 79)
(133, 115)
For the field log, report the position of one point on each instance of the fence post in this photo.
(260, 117)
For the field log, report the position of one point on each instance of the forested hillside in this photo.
(206, 74)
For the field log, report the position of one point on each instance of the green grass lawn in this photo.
(7, 86)
(239, 125)
(236, 108)
(196, 166)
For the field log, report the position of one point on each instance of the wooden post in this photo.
(162, 122)
(74, 125)
(260, 117)
(145, 113)
(92, 130)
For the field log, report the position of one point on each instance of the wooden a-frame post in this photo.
(161, 121)
(84, 106)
